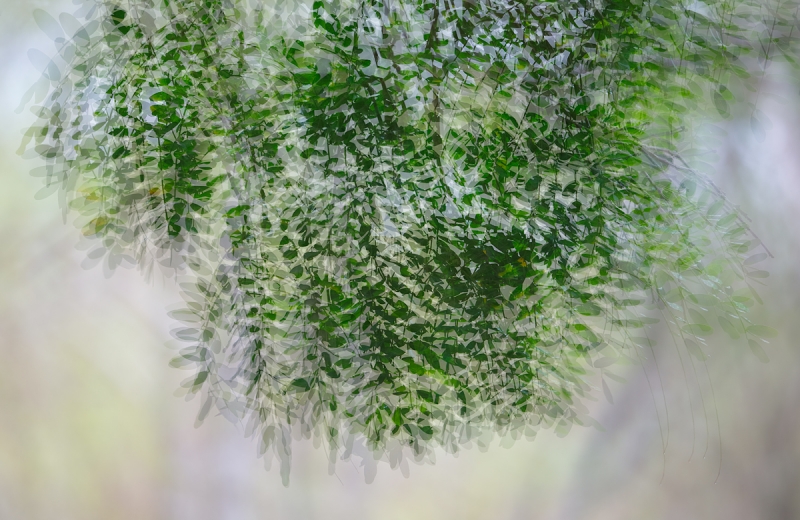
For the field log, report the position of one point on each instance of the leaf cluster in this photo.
(409, 222)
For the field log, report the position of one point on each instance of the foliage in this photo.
(410, 222)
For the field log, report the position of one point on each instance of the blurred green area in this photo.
(90, 427)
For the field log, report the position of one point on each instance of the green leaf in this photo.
(722, 105)
(237, 210)
(728, 327)
(755, 259)
(200, 378)
(118, 16)
(758, 351)
(762, 331)
(160, 96)
(604, 362)
(607, 392)
(698, 329)
(301, 384)
(589, 309)
(694, 349)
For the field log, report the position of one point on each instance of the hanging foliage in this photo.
(409, 223)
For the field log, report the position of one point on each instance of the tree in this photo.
(409, 222)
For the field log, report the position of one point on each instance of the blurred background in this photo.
(90, 427)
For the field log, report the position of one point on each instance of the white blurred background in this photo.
(90, 427)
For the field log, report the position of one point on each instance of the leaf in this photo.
(762, 331)
(643, 341)
(758, 129)
(533, 183)
(48, 24)
(204, 410)
(755, 259)
(118, 16)
(96, 226)
(756, 296)
(44, 64)
(722, 105)
(697, 316)
(607, 392)
(588, 309)
(160, 96)
(613, 376)
(563, 427)
(301, 383)
(237, 210)
(201, 378)
(604, 362)
(758, 351)
(180, 362)
(698, 329)
(694, 349)
(728, 327)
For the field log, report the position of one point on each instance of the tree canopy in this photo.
(414, 223)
